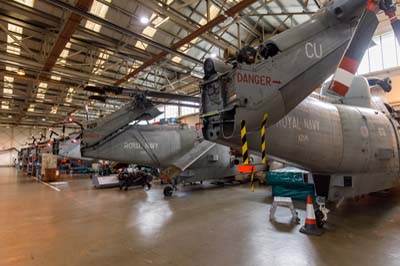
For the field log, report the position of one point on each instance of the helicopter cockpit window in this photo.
(389, 108)
(268, 49)
(247, 55)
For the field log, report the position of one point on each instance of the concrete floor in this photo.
(81, 226)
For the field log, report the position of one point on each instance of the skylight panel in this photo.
(100, 10)
(8, 85)
(42, 89)
(30, 3)
(54, 109)
(177, 59)
(31, 108)
(11, 68)
(12, 45)
(62, 60)
(141, 45)
(101, 60)
(68, 98)
(5, 105)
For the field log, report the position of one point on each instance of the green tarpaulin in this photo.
(289, 182)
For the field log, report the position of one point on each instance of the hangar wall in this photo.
(15, 138)
(191, 119)
(394, 96)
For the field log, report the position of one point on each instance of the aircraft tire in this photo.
(168, 191)
(319, 216)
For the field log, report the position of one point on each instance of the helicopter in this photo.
(347, 137)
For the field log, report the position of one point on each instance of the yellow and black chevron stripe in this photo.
(263, 140)
(243, 136)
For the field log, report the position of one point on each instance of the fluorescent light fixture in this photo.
(144, 20)
(161, 22)
(21, 72)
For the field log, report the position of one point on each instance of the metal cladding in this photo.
(279, 83)
(350, 145)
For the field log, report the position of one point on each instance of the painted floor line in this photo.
(44, 183)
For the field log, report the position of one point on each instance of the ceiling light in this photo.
(144, 20)
(213, 55)
(43, 119)
(10, 116)
(161, 22)
(21, 72)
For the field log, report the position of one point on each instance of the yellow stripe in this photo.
(265, 117)
(244, 147)
(263, 139)
(243, 132)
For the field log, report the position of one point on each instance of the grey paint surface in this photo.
(166, 146)
(309, 54)
(354, 138)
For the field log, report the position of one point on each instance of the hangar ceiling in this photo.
(51, 49)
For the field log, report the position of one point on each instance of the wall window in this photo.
(383, 53)
(171, 111)
(188, 110)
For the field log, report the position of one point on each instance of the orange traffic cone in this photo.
(310, 227)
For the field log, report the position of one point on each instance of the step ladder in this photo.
(283, 202)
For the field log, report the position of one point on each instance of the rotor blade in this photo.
(396, 29)
(390, 11)
(355, 52)
(99, 98)
(130, 92)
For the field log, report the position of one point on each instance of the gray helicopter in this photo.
(179, 151)
(347, 137)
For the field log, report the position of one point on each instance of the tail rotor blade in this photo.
(395, 22)
(396, 29)
(390, 10)
(355, 52)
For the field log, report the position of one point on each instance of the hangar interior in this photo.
(99, 96)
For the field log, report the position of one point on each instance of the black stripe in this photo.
(242, 124)
(244, 139)
(245, 156)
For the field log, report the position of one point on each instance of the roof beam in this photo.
(66, 33)
(123, 30)
(208, 26)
